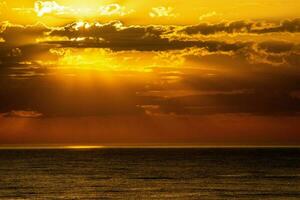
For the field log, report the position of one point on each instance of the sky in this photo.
(129, 72)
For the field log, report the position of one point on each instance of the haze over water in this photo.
(150, 173)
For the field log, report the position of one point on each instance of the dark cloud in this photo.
(52, 98)
(26, 53)
(113, 35)
(151, 35)
(246, 69)
(259, 103)
(278, 53)
(292, 26)
(25, 61)
(279, 46)
(118, 31)
(266, 72)
(116, 36)
(109, 31)
(18, 34)
(208, 29)
(158, 44)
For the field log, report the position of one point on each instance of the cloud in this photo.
(108, 31)
(23, 114)
(52, 98)
(48, 7)
(273, 46)
(274, 52)
(158, 12)
(207, 75)
(114, 9)
(19, 34)
(25, 53)
(136, 37)
(22, 44)
(119, 37)
(116, 36)
(53, 8)
(292, 26)
(208, 15)
(259, 103)
(269, 52)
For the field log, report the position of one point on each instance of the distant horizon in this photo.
(3, 147)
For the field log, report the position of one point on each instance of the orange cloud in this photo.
(23, 114)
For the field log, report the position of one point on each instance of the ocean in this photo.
(150, 173)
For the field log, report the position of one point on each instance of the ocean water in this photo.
(195, 173)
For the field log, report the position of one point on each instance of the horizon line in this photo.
(21, 147)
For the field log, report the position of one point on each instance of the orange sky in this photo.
(211, 130)
(150, 72)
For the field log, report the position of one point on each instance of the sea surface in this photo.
(150, 173)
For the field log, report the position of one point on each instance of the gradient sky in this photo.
(129, 72)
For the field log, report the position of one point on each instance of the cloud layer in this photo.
(233, 67)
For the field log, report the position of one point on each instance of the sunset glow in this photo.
(87, 73)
